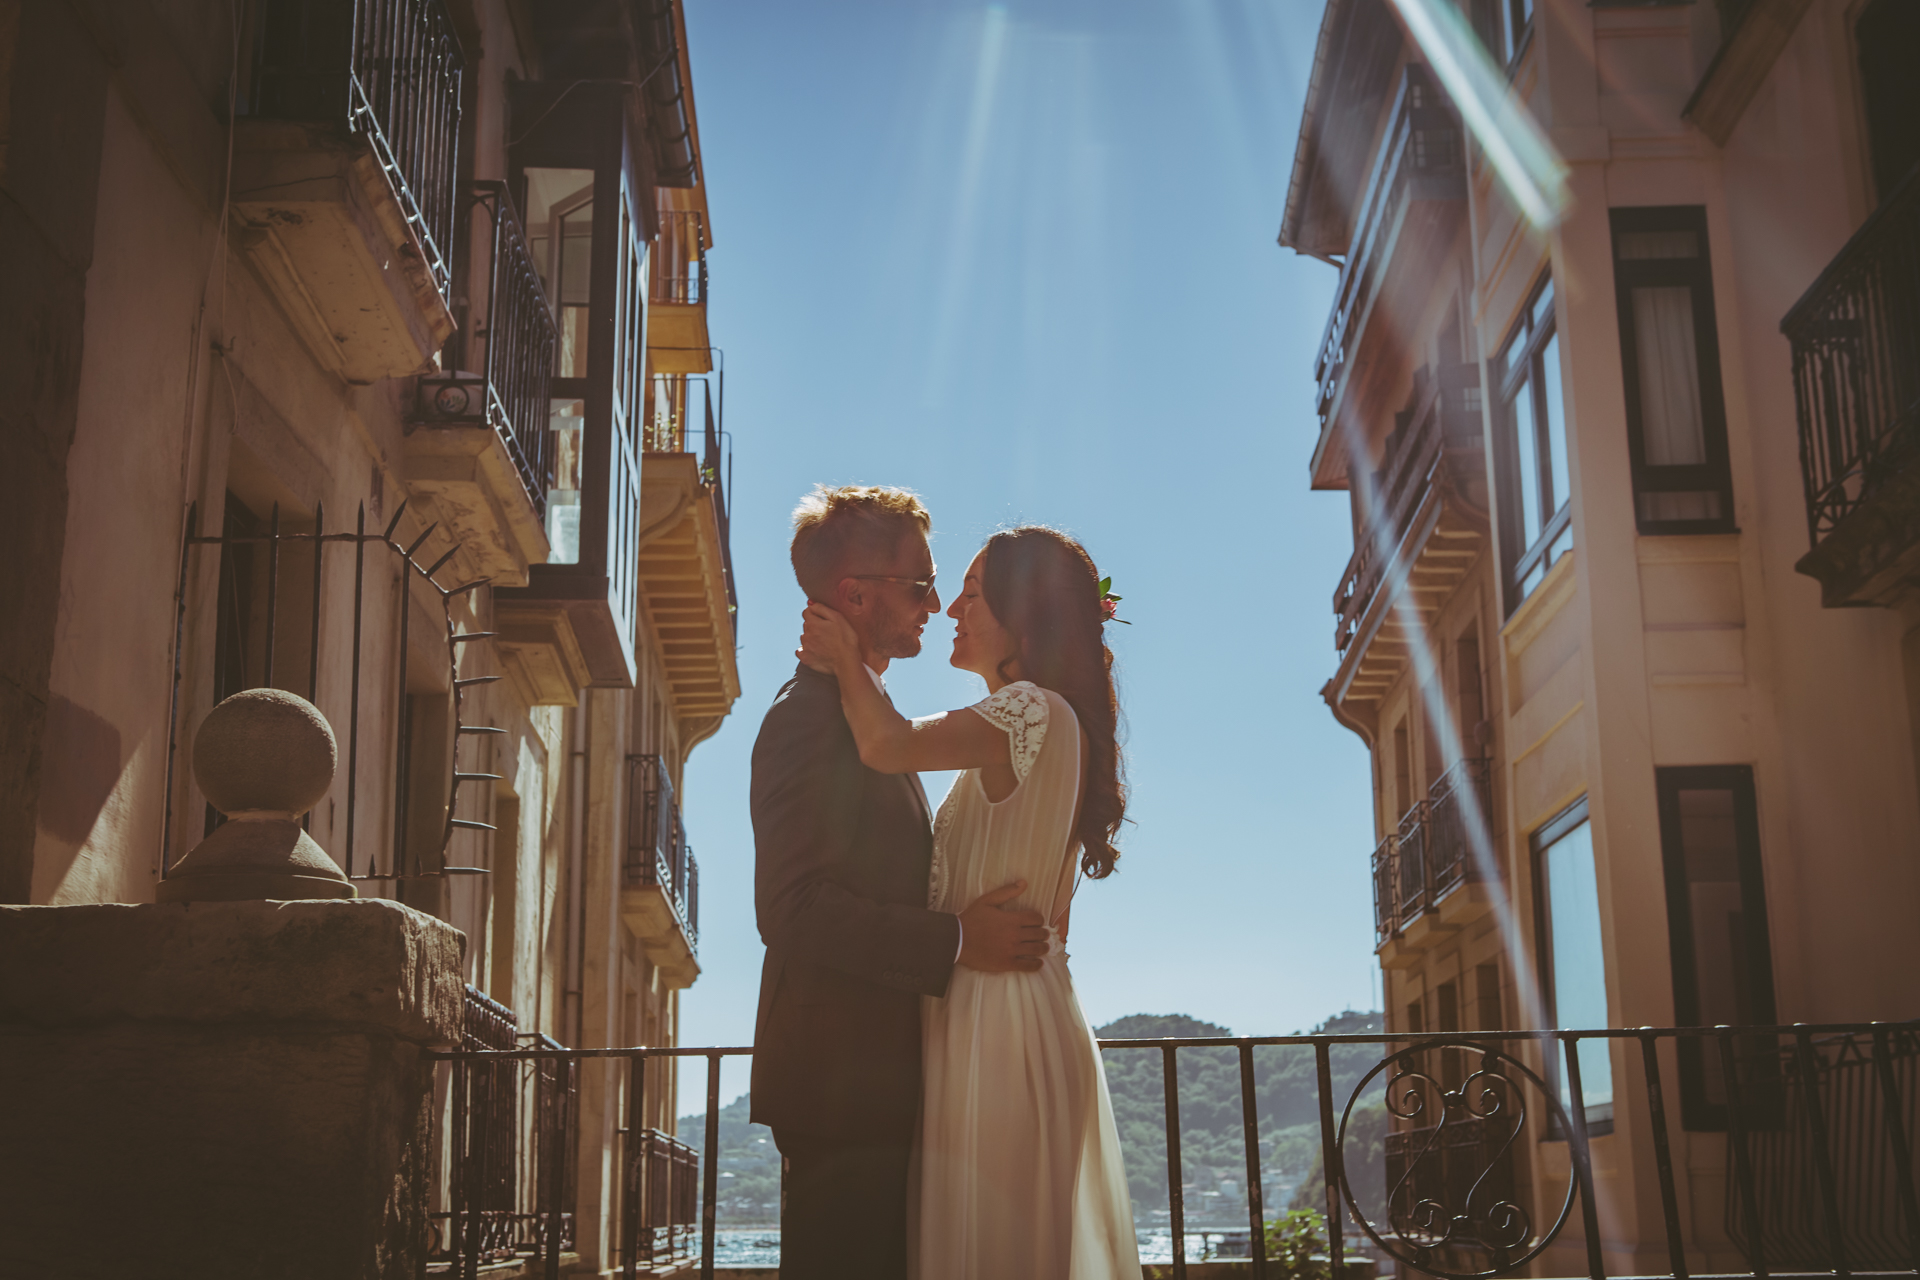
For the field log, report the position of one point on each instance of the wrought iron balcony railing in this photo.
(657, 851)
(520, 338)
(1431, 853)
(1420, 162)
(688, 417)
(1386, 913)
(660, 1202)
(1820, 1141)
(1855, 337)
(507, 1148)
(1442, 430)
(385, 70)
(680, 258)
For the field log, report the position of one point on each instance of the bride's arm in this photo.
(888, 741)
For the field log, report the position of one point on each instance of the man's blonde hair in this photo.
(836, 526)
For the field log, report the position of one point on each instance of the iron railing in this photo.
(1465, 1115)
(255, 561)
(1386, 915)
(1855, 337)
(658, 854)
(506, 1150)
(1420, 158)
(680, 258)
(1860, 1098)
(660, 1197)
(677, 425)
(520, 338)
(1431, 853)
(387, 71)
(1443, 429)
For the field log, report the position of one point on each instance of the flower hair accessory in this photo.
(1110, 604)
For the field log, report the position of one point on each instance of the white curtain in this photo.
(1669, 376)
(1670, 419)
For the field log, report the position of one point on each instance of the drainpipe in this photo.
(572, 998)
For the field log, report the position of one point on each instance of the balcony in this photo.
(1426, 880)
(677, 338)
(1486, 1161)
(660, 885)
(1413, 207)
(344, 177)
(686, 557)
(1855, 337)
(479, 449)
(1428, 524)
(507, 1133)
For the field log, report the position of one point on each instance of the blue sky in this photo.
(1021, 259)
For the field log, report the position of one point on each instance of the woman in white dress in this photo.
(1018, 1166)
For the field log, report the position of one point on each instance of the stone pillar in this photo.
(219, 1089)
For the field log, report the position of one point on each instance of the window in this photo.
(1535, 517)
(1402, 772)
(1716, 924)
(1503, 26)
(560, 237)
(1670, 353)
(1489, 1011)
(1573, 977)
(1888, 38)
(1470, 700)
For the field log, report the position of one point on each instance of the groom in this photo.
(842, 855)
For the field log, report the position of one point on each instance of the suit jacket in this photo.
(841, 859)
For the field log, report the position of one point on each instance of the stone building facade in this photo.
(1611, 476)
(361, 350)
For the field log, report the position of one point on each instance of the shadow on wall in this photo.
(79, 765)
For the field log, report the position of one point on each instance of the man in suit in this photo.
(842, 855)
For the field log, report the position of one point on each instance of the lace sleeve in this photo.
(1021, 709)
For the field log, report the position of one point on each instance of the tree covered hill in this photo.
(1212, 1150)
(1211, 1137)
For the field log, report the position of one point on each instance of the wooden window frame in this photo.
(1715, 475)
(1697, 1114)
(1525, 373)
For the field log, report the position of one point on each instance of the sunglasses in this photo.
(923, 586)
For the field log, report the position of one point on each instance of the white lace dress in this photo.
(1019, 1171)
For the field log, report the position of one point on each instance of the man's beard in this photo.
(898, 637)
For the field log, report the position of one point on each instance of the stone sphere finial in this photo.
(265, 751)
(263, 757)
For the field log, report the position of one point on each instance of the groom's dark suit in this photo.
(840, 887)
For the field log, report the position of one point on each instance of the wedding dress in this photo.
(1019, 1169)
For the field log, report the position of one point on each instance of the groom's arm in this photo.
(807, 782)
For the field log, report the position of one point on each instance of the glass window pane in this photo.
(1648, 245)
(560, 234)
(1667, 359)
(566, 419)
(1543, 308)
(1557, 482)
(1578, 961)
(1526, 447)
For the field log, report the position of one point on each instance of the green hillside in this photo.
(1212, 1147)
(1210, 1125)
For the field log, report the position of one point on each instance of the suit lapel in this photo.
(926, 810)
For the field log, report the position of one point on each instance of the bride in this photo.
(1018, 1170)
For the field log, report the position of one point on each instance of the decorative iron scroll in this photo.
(1452, 1206)
(403, 859)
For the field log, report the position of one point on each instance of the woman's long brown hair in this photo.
(1043, 588)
